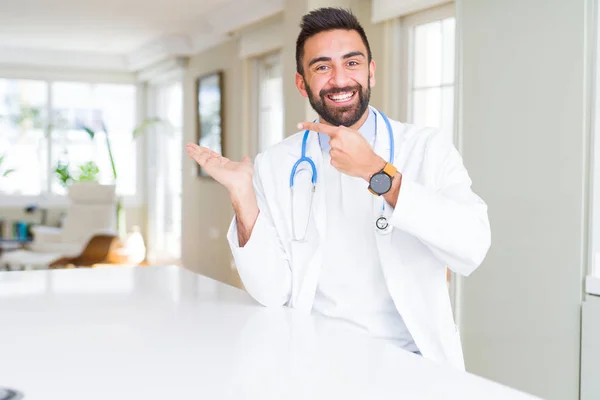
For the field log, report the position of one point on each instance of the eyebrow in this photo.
(353, 54)
(318, 59)
(345, 56)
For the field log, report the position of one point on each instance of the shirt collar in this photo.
(367, 129)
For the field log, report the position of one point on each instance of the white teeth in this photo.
(341, 96)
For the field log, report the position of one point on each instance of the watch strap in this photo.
(389, 169)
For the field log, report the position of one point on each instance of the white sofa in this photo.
(92, 210)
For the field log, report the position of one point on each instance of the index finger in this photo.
(328, 130)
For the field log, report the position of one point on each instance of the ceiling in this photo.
(121, 30)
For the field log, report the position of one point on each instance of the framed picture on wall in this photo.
(209, 118)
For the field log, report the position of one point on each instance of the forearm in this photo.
(259, 255)
(246, 211)
(262, 263)
(454, 225)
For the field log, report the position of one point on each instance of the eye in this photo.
(353, 63)
(321, 68)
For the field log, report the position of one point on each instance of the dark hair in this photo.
(327, 19)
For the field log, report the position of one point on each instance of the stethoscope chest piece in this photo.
(382, 225)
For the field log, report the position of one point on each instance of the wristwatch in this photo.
(381, 182)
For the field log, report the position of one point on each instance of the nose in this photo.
(339, 77)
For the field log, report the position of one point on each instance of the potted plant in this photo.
(86, 172)
(138, 131)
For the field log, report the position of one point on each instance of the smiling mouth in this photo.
(342, 97)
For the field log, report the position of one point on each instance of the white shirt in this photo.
(351, 285)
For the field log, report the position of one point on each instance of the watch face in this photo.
(381, 183)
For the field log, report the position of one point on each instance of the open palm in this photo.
(228, 173)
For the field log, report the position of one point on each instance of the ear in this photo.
(301, 85)
(372, 68)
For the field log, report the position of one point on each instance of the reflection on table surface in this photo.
(168, 333)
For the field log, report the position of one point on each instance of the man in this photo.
(370, 245)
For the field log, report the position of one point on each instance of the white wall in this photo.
(525, 146)
(206, 207)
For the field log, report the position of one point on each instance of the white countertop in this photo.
(167, 333)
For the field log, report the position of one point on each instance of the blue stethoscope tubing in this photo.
(305, 158)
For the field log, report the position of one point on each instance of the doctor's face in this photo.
(337, 76)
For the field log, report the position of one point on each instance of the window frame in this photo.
(255, 143)
(154, 88)
(405, 27)
(46, 197)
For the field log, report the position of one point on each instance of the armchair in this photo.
(92, 211)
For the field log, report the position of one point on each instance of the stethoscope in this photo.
(381, 223)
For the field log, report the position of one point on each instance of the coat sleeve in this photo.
(262, 263)
(449, 219)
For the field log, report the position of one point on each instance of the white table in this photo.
(166, 333)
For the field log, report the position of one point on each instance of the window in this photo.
(166, 170)
(23, 132)
(270, 100)
(76, 103)
(428, 49)
(34, 144)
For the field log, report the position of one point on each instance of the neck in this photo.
(356, 126)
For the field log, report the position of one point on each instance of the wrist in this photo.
(373, 167)
(245, 207)
(241, 191)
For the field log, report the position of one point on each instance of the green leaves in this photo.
(63, 174)
(147, 123)
(6, 172)
(88, 131)
(88, 172)
(28, 117)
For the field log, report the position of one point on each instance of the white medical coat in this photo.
(438, 222)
